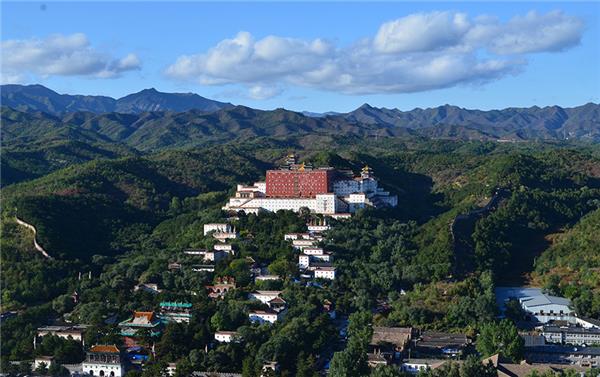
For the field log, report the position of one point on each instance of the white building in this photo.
(313, 255)
(324, 273)
(303, 243)
(321, 203)
(313, 251)
(348, 195)
(226, 336)
(264, 316)
(104, 360)
(216, 227)
(225, 236)
(207, 255)
(225, 247)
(74, 332)
(540, 306)
(264, 296)
(318, 226)
(303, 261)
(298, 236)
(414, 366)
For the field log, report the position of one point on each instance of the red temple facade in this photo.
(299, 183)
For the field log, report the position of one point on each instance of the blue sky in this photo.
(312, 56)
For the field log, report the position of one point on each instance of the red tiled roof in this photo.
(105, 349)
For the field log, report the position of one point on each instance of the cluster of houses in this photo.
(412, 350)
(559, 336)
(558, 339)
(313, 261)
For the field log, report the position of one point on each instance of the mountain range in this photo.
(40, 98)
(151, 120)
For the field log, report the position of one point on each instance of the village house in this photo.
(180, 312)
(414, 366)
(203, 268)
(301, 244)
(221, 287)
(438, 344)
(216, 227)
(318, 226)
(507, 368)
(324, 272)
(147, 287)
(226, 336)
(566, 333)
(207, 255)
(264, 296)
(264, 316)
(224, 247)
(312, 255)
(390, 342)
(140, 321)
(104, 360)
(303, 236)
(74, 332)
(588, 357)
(267, 278)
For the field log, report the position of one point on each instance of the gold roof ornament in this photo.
(301, 168)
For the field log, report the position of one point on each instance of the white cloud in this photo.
(259, 92)
(421, 32)
(60, 55)
(534, 32)
(419, 52)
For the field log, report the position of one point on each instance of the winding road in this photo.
(37, 246)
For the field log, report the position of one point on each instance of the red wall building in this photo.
(298, 183)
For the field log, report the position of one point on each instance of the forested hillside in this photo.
(119, 216)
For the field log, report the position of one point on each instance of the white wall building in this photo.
(301, 244)
(226, 336)
(539, 306)
(216, 227)
(264, 296)
(228, 248)
(263, 316)
(104, 361)
(324, 273)
(303, 261)
(300, 236)
(75, 332)
(348, 195)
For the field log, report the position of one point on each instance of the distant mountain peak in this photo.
(37, 97)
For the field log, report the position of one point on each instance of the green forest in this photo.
(472, 215)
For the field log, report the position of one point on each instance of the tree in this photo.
(514, 311)
(500, 337)
(387, 371)
(305, 366)
(473, 367)
(352, 361)
(57, 370)
(42, 369)
(552, 285)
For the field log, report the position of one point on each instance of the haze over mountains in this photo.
(150, 120)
